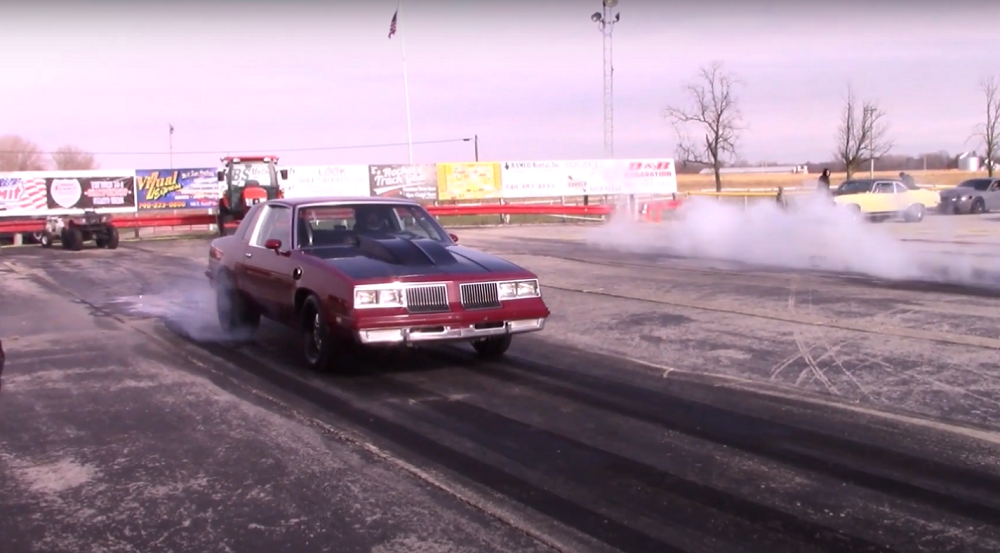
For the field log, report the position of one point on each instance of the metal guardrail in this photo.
(208, 219)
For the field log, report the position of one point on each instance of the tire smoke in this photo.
(189, 309)
(810, 234)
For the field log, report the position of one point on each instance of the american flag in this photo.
(23, 194)
(392, 25)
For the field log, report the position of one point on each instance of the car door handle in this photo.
(248, 254)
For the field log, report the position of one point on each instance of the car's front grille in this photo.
(432, 298)
(480, 295)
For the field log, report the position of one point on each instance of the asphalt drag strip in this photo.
(583, 451)
(110, 441)
(646, 467)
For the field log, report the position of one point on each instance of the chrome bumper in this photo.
(445, 333)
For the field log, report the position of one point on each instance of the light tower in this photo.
(606, 19)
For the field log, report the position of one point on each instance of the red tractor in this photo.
(248, 180)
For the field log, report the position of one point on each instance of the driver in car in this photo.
(373, 221)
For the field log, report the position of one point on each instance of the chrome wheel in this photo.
(314, 342)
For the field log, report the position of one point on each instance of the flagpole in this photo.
(171, 146)
(406, 88)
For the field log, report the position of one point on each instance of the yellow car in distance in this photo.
(881, 199)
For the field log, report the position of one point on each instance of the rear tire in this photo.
(235, 316)
(46, 239)
(493, 347)
(112, 240)
(914, 213)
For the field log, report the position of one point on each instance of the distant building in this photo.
(797, 169)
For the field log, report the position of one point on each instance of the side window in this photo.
(883, 188)
(996, 186)
(248, 223)
(900, 188)
(276, 222)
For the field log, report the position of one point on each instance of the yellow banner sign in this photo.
(468, 181)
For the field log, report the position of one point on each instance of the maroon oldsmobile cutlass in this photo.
(374, 271)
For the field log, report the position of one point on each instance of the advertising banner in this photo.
(327, 180)
(102, 191)
(535, 179)
(195, 188)
(530, 179)
(468, 181)
(22, 195)
(646, 176)
(416, 182)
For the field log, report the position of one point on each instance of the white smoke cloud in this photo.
(188, 308)
(811, 234)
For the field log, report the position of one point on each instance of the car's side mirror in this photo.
(284, 174)
(273, 244)
(221, 175)
(454, 237)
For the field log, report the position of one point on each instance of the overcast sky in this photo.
(525, 76)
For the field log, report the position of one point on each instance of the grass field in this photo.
(686, 183)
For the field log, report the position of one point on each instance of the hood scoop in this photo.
(418, 252)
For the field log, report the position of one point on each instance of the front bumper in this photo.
(955, 205)
(451, 332)
(399, 327)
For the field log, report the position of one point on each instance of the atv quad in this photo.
(73, 230)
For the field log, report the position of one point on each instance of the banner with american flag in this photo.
(22, 196)
(392, 25)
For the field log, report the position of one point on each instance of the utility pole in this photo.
(606, 19)
(475, 140)
(868, 129)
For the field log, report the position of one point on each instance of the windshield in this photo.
(977, 184)
(339, 225)
(253, 171)
(854, 187)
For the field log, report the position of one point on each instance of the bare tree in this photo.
(862, 134)
(71, 157)
(989, 131)
(716, 112)
(20, 154)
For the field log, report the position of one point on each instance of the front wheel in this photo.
(46, 239)
(978, 206)
(492, 347)
(72, 239)
(319, 345)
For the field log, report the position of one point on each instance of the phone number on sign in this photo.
(163, 205)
